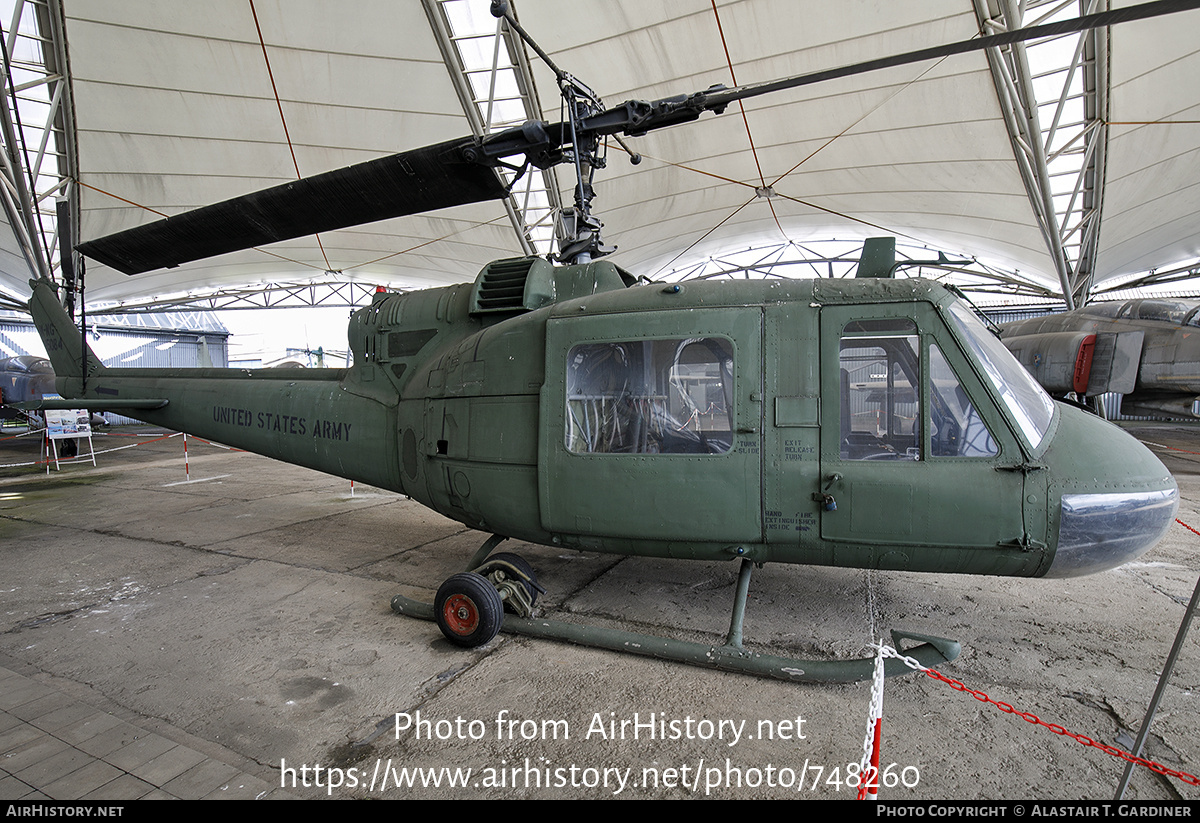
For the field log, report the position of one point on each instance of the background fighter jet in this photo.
(1147, 350)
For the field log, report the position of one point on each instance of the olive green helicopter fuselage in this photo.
(865, 423)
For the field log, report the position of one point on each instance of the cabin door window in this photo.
(650, 397)
(881, 398)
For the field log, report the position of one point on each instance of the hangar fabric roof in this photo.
(178, 105)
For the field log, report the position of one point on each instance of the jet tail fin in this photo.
(68, 352)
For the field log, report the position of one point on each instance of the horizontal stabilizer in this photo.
(425, 179)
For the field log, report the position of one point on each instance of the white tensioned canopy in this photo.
(178, 105)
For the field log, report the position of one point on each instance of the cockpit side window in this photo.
(1105, 309)
(884, 396)
(880, 377)
(650, 397)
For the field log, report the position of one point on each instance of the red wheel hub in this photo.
(461, 614)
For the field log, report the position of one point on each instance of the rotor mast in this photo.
(577, 228)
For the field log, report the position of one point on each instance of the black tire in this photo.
(522, 565)
(468, 610)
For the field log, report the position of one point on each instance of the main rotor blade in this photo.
(636, 117)
(1140, 11)
(425, 179)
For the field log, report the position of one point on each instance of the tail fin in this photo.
(63, 340)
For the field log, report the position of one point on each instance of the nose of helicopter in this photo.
(1117, 498)
(1100, 531)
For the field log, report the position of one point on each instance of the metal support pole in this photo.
(1144, 732)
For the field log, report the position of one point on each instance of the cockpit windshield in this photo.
(1029, 404)
(1179, 312)
(1171, 311)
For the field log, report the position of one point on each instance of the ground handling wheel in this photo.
(468, 610)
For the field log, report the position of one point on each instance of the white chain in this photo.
(875, 709)
(911, 662)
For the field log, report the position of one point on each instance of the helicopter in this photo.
(1147, 350)
(868, 423)
(23, 379)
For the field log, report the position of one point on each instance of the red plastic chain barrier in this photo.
(1029, 717)
(217, 445)
(1083, 740)
(42, 460)
(22, 434)
(1172, 448)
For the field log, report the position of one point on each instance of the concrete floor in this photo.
(241, 621)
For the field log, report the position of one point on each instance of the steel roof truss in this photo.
(531, 222)
(1061, 164)
(37, 111)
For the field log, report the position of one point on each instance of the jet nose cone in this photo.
(1103, 531)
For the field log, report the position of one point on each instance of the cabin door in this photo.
(916, 460)
(651, 426)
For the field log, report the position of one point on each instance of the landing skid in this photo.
(475, 605)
